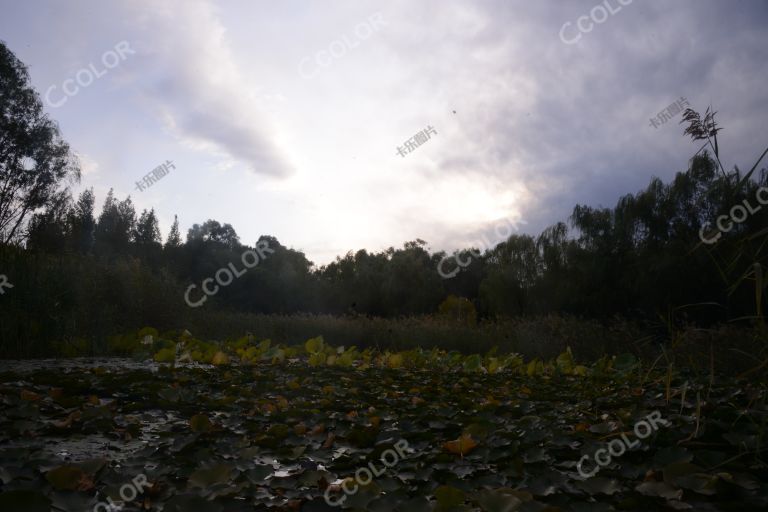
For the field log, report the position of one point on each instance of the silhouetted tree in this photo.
(34, 161)
(174, 237)
(115, 228)
(213, 231)
(82, 222)
(49, 231)
(147, 229)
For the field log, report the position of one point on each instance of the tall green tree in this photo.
(35, 163)
(115, 228)
(82, 222)
(213, 231)
(49, 230)
(174, 236)
(147, 231)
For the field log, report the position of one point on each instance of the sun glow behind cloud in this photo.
(538, 125)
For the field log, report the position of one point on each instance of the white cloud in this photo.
(196, 86)
(539, 125)
(89, 167)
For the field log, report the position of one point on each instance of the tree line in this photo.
(650, 256)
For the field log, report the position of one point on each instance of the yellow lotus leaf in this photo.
(220, 358)
(200, 423)
(29, 395)
(395, 361)
(462, 445)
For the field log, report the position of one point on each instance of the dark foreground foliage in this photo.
(276, 433)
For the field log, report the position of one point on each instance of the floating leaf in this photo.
(69, 478)
(314, 345)
(448, 497)
(659, 489)
(493, 501)
(24, 500)
(206, 477)
(461, 446)
(200, 423)
(220, 358)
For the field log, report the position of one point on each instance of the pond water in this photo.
(85, 363)
(22, 374)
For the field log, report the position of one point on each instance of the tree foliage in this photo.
(642, 258)
(35, 163)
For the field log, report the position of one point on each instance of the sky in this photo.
(295, 119)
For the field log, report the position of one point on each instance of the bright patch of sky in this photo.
(285, 118)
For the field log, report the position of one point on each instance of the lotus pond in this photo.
(284, 428)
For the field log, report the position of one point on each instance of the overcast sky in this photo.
(285, 118)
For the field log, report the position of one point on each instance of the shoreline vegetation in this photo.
(639, 277)
(722, 349)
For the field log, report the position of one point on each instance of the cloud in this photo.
(190, 77)
(539, 125)
(89, 167)
(570, 123)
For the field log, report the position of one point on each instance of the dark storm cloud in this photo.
(581, 132)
